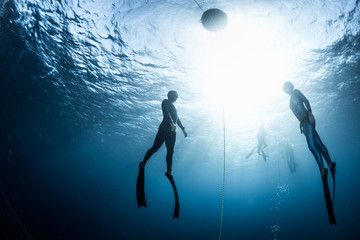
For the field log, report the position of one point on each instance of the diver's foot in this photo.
(142, 164)
(168, 174)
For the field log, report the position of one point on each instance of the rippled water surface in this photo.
(81, 84)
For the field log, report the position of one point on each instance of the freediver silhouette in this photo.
(290, 158)
(261, 134)
(166, 133)
(301, 108)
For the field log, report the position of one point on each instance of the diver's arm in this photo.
(311, 117)
(181, 126)
(304, 100)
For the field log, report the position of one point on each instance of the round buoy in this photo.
(214, 20)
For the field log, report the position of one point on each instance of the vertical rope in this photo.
(223, 191)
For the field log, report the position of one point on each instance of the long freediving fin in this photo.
(251, 153)
(329, 205)
(177, 204)
(140, 193)
(332, 170)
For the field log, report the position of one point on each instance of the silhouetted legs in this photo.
(170, 144)
(162, 136)
(260, 148)
(316, 146)
(318, 149)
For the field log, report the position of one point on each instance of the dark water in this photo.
(81, 87)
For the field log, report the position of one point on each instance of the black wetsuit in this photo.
(166, 133)
(300, 106)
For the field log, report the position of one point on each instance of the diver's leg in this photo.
(159, 140)
(263, 154)
(310, 138)
(324, 151)
(170, 144)
(289, 165)
(258, 148)
(293, 163)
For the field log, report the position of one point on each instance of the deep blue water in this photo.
(81, 87)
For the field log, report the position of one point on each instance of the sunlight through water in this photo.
(242, 67)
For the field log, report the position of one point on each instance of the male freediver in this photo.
(166, 133)
(300, 106)
(261, 134)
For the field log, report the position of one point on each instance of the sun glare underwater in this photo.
(82, 86)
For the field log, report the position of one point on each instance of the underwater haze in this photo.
(81, 86)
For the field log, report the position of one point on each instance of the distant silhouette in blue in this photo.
(301, 108)
(261, 134)
(167, 134)
(290, 158)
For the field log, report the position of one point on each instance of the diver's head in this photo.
(172, 95)
(288, 87)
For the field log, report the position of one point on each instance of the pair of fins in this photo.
(329, 201)
(140, 192)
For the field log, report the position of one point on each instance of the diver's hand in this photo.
(185, 133)
(173, 127)
(311, 117)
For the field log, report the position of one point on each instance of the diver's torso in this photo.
(297, 106)
(168, 109)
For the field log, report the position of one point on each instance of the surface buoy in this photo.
(214, 20)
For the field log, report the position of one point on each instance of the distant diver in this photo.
(261, 134)
(290, 159)
(166, 133)
(300, 106)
